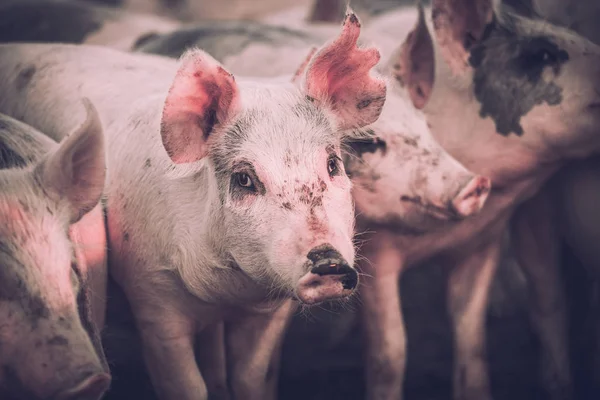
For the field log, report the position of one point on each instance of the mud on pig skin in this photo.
(53, 258)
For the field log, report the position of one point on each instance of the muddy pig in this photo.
(224, 196)
(53, 258)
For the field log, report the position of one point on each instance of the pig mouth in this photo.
(442, 213)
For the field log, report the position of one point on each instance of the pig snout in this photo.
(472, 197)
(91, 386)
(330, 276)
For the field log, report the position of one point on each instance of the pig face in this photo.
(275, 150)
(526, 75)
(403, 179)
(45, 351)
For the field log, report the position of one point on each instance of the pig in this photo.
(53, 259)
(241, 183)
(73, 22)
(549, 79)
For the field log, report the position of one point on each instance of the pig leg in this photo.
(469, 285)
(168, 345)
(382, 318)
(212, 361)
(254, 344)
(537, 246)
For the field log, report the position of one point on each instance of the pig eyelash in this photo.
(333, 165)
(245, 182)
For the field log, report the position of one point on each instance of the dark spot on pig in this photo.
(507, 79)
(322, 185)
(126, 237)
(371, 145)
(10, 159)
(148, 163)
(36, 307)
(287, 205)
(363, 104)
(354, 19)
(410, 141)
(25, 77)
(420, 91)
(58, 340)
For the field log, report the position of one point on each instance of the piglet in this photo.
(53, 265)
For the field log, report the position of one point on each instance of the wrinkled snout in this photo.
(472, 196)
(91, 386)
(330, 276)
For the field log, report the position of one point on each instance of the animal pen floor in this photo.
(315, 369)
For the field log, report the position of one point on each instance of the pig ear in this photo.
(202, 97)
(414, 63)
(77, 169)
(459, 25)
(339, 77)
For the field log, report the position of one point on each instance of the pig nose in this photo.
(92, 387)
(330, 276)
(472, 197)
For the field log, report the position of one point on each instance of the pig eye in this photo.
(243, 180)
(333, 166)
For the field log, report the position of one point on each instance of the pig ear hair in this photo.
(458, 26)
(413, 65)
(339, 77)
(77, 169)
(202, 97)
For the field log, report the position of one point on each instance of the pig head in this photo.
(287, 212)
(49, 341)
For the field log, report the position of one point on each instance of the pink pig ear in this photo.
(414, 63)
(339, 76)
(202, 97)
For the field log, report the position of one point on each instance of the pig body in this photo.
(53, 256)
(229, 235)
(49, 21)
